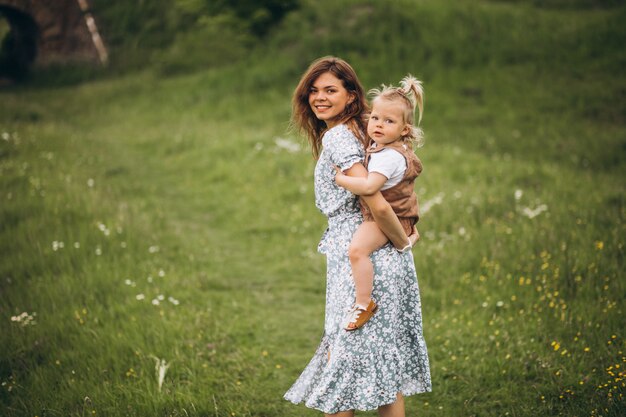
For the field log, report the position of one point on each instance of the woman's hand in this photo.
(414, 236)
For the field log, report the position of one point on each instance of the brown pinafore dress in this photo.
(402, 196)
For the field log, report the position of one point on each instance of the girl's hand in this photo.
(338, 171)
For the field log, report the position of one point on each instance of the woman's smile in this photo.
(328, 98)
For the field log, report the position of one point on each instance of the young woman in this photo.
(376, 366)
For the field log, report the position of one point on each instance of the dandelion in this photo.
(599, 245)
(161, 369)
(555, 345)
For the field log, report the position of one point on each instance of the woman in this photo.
(376, 366)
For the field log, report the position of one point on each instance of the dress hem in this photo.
(333, 411)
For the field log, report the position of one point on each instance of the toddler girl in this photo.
(392, 168)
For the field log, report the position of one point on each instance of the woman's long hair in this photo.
(303, 118)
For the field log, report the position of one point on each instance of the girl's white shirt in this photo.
(389, 163)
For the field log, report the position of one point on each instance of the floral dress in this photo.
(366, 368)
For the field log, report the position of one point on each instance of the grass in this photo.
(146, 217)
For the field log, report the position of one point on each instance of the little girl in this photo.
(392, 168)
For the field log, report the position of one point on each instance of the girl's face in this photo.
(386, 123)
(328, 98)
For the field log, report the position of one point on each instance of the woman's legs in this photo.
(390, 410)
(367, 238)
(393, 410)
(341, 414)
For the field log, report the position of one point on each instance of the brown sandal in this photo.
(359, 315)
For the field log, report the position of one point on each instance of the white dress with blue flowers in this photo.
(366, 368)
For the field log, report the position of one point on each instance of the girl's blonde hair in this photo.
(411, 94)
(302, 116)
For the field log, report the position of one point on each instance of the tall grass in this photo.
(149, 217)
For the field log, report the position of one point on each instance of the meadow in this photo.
(158, 230)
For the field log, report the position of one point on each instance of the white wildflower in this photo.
(77, 245)
(287, 145)
(153, 249)
(25, 319)
(140, 297)
(161, 369)
(161, 273)
(518, 194)
(91, 182)
(428, 204)
(532, 213)
(155, 302)
(173, 300)
(98, 251)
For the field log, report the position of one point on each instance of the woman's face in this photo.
(328, 98)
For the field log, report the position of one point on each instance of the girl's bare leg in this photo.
(393, 410)
(367, 238)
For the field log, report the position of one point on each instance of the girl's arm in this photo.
(382, 212)
(368, 185)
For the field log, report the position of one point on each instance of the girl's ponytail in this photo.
(413, 90)
(411, 94)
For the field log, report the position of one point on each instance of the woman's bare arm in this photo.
(382, 212)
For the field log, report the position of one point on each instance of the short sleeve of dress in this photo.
(343, 148)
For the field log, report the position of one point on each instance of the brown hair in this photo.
(303, 118)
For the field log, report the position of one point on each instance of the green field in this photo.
(168, 215)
